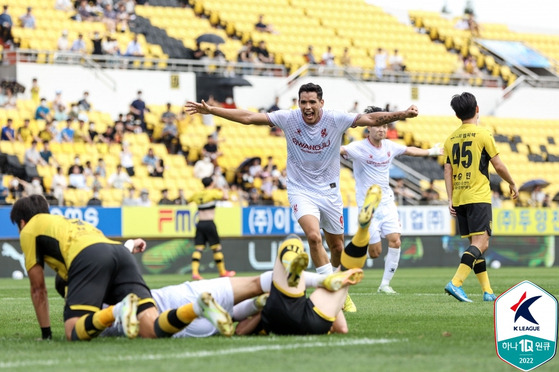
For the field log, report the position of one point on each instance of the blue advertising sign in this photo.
(517, 53)
(108, 220)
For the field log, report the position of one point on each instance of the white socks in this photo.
(390, 265)
(244, 309)
(325, 269)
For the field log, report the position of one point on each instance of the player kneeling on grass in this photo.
(96, 269)
(288, 311)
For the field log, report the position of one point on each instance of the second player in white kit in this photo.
(372, 158)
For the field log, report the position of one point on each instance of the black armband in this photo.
(46, 333)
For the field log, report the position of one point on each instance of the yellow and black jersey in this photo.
(207, 198)
(56, 241)
(469, 150)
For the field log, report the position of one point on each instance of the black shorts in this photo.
(102, 273)
(284, 315)
(474, 219)
(206, 232)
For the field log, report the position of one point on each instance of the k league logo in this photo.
(526, 326)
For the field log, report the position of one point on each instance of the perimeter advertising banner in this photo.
(175, 221)
(525, 221)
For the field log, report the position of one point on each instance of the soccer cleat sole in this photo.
(297, 266)
(216, 314)
(340, 279)
(372, 200)
(129, 320)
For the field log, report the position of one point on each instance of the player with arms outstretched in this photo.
(313, 135)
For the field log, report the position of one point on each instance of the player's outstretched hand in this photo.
(197, 108)
(412, 111)
(436, 150)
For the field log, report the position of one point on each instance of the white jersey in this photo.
(313, 157)
(371, 165)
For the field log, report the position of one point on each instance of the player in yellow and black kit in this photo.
(206, 231)
(469, 150)
(96, 270)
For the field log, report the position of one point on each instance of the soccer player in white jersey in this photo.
(372, 158)
(313, 135)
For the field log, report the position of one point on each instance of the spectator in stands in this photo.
(110, 46)
(76, 179)
(127, 158)
(32, 158)
(246, 53)
(25, 133)
(43, 112)
(85, 13)
(35, 91)
(144, 200)
(131, 125)
(83, 103)
(81, 134)
(470, 66)
(31, 188)
(229, 103)
(94, 201)
(149, 159)
(168, 115)
(546, 203)
(402, 193)
(264, 27)
(15, 188)
(97, 41)
(309, 56)
(2, 96)
(275, 105)
(49, 132)
(109, 17)
(6, 26)
(78, 46)
(67, 134)
(134, 48)
(219, 179)
(92, 132)
(46, 154)
(267, 190)
(536, 197)
(355, 107)
(430, 195)
(181, 199)
(159, 169)
(64, 5)
(199, 53)
(87, 170)
(122, 17)
(27, 20)
(8, 131)
(165, 198)
(328, 57)
(254, 197)
(391, 131)
(345, 59)
(211, 149)
(170, 137)
(263, 54)
(396, 62)
(97, 183)
(11, 99)
(203, 168)
(138, 108)
(119, 178)
(63, 44)
(473, 26)
(380, 62)
(118, 136)
(130, 200)
(101, 168)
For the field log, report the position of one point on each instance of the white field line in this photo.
(202, 353)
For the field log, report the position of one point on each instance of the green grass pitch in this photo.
(420, 329)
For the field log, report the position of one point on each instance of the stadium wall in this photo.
(113, 90)
(250, 236)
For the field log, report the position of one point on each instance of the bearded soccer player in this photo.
(469, 150)
(97, 270)
(313, 165)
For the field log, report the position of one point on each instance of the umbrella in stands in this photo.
(248, 162)
(530, 185)
(235, 81)
(210, 38)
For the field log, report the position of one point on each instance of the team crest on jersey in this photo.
(295, 208)
(298, 131)
(323, 133)
(370, 156)
(388, 154)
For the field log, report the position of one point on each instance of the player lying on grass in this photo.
(98, 270)
(288, 311)
(239, 296)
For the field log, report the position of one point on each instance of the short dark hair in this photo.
(310, 87)
(371, 109)
(27, 207)
(464, 105)
(207, 181)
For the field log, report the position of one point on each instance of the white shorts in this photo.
(327, 208)
(385, 221)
